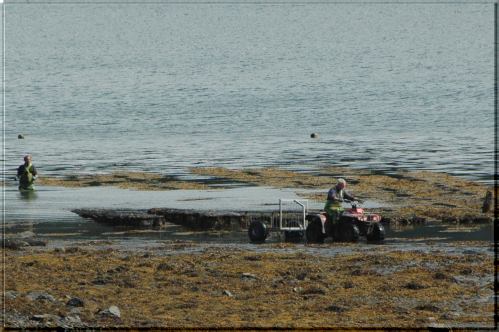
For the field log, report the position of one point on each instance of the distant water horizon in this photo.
(164, 87)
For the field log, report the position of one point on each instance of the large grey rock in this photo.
(40, 296)
(36, 242)
(71, 321)
(10, 295)
(112, 311)
(15, 244)
(24, 235)
(248, 276)
(75, 302)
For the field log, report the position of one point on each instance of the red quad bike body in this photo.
(352, 224)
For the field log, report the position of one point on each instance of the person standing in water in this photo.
(26, 173)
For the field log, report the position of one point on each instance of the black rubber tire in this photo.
(293, 236)
(314, 231)
(376, 233)
(348, 232)
(258, 231)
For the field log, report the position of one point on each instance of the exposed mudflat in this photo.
(183, 284)
(408, 196)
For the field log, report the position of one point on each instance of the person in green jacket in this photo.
(26, 173)
(335, 197)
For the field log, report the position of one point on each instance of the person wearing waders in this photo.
(335, 197)
(26, 173)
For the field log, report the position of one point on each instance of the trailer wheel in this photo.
(314, 231)
(376, 233)
(348, 232)
(258, 231)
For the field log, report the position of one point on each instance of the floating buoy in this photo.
(314, 135)
(20, 136)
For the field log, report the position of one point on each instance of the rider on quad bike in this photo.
(343, 225)
(335, 196)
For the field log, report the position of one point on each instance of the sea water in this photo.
(164, 87)
(98, 87)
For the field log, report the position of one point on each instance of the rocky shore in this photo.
(281, 285)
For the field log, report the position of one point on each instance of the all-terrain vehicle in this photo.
(297, 223)
(352, 224)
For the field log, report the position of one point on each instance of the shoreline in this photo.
(170, 285)
(408, 196)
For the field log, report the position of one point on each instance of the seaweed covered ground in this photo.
(124, 180)
(407, 196)
(279, 285)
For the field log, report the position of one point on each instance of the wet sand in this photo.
(181, 284)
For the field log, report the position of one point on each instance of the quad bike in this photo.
(352, 224)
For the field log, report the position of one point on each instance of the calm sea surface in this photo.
(162, 87)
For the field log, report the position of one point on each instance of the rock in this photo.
(102, 280)
(15, 244)
(165, 267)
(118, 269)
(15, 320)
(75, 311)
(71, 321)
(414, 285)
(24, 235)
(297, 289)
(10, 295)
(248, 276)
(253, 258)
(418, 220)
(348, 284)
(336, 308)
(314, 290)
(40, 296)
(45, 318)
(36, 242)
(72, 250)
(301, 276)
(440, 276)
(451, 315)
(487, 202)
(112, 311)
(228, 293)
(75, 302)
(483, 220)
(428, 307)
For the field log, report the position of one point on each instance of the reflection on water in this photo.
(28, 194)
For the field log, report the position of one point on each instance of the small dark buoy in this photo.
(314, 135)
(20, 136)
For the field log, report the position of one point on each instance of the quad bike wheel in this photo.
(348, 232)
(258, 231)
(376, 233)
(314, 231)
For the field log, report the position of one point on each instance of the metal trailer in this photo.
(290, 220)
